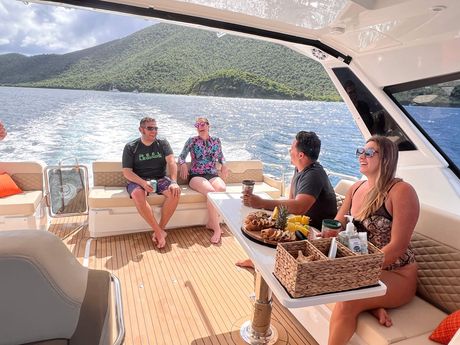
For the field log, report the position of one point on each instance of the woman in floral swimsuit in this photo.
(386, 208)
(206, 152)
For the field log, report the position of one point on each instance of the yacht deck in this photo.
(191, 292)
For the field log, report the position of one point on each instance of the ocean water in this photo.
(54, 125)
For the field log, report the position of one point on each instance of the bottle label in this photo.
(354, 244)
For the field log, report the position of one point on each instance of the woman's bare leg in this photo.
(203, 186)
(401, 285)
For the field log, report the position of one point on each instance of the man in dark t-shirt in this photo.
(311, 191)
(146, 159)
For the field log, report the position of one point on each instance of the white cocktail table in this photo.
(258, 331)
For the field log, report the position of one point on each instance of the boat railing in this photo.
(281, 177)
(331, 173)
(118, 304)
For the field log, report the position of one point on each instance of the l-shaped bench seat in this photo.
(436, 243)
(27, 209)
(112, 212)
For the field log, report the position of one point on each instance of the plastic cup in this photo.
(248, 186)
(330, 228)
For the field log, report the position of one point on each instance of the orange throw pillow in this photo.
(8, 186)
(447, 328)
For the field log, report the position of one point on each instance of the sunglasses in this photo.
(200, 124)
(370, 152)
(150, 128)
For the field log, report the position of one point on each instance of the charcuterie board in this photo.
(261, 228)
(257, 237)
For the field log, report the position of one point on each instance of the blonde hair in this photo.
(388, 152)
(202, 119)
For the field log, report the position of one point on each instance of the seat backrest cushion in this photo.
(42, 287)
(94, 325)
(436, 243)
(27, 175)
(109, 174)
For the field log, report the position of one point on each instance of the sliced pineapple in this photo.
(275, 213)
(305, 220)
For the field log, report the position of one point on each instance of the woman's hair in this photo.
(202, 119)
(388, 152)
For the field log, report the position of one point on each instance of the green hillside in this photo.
(165, 58)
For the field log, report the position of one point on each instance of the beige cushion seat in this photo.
(106, 197)
(411, 321)
(23, 204)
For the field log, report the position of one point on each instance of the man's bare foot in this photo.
(160, 241)
(246, 263)
(383, 317)
(215, 239)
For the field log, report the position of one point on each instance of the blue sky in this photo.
(44, 29)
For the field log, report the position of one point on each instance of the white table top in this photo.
(231, 208)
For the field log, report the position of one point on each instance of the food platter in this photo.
(260, 228)
(257, 237)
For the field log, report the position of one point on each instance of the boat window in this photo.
(378, 121)
(434, 107)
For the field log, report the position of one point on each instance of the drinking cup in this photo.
(248, 186)
(153, 184)
(330, 228)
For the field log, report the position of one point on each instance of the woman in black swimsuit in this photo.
(386, 208)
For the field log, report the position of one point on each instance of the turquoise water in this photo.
(51, 125)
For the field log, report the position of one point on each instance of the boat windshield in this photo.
(377, 120)
(434, 107)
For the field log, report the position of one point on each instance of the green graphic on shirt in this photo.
(149, 156)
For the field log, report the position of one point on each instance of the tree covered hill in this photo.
(165, 58)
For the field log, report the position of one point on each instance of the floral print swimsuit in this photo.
(205, 154)
(378, 228)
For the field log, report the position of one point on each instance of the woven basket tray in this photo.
(347, 271)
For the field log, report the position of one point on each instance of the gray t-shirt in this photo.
(148, 162)
(313, 181)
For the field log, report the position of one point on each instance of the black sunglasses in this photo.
(370, 152)
(150, 128)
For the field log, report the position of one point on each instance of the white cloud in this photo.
(43, 29)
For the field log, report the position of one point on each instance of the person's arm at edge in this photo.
(183, 170)
(221, 160)
(405, 209)
(300, 205)
(172, 167)
(131, 176)
(346, 205)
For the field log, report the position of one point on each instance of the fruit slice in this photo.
(275, 213)
(305, 220)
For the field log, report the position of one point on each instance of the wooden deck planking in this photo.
(188, 293)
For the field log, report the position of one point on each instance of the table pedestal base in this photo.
(255, 338)
(258, 331)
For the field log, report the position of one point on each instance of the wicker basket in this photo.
(347, 271)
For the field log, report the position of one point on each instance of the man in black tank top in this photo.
(144, 159)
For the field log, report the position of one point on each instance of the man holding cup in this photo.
(311, 191)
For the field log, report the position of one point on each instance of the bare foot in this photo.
(246, 263)
(383, 317)
(160, 241)
(215, 239)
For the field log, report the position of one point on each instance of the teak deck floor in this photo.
(191, 292)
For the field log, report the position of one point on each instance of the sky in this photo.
(33, 29)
